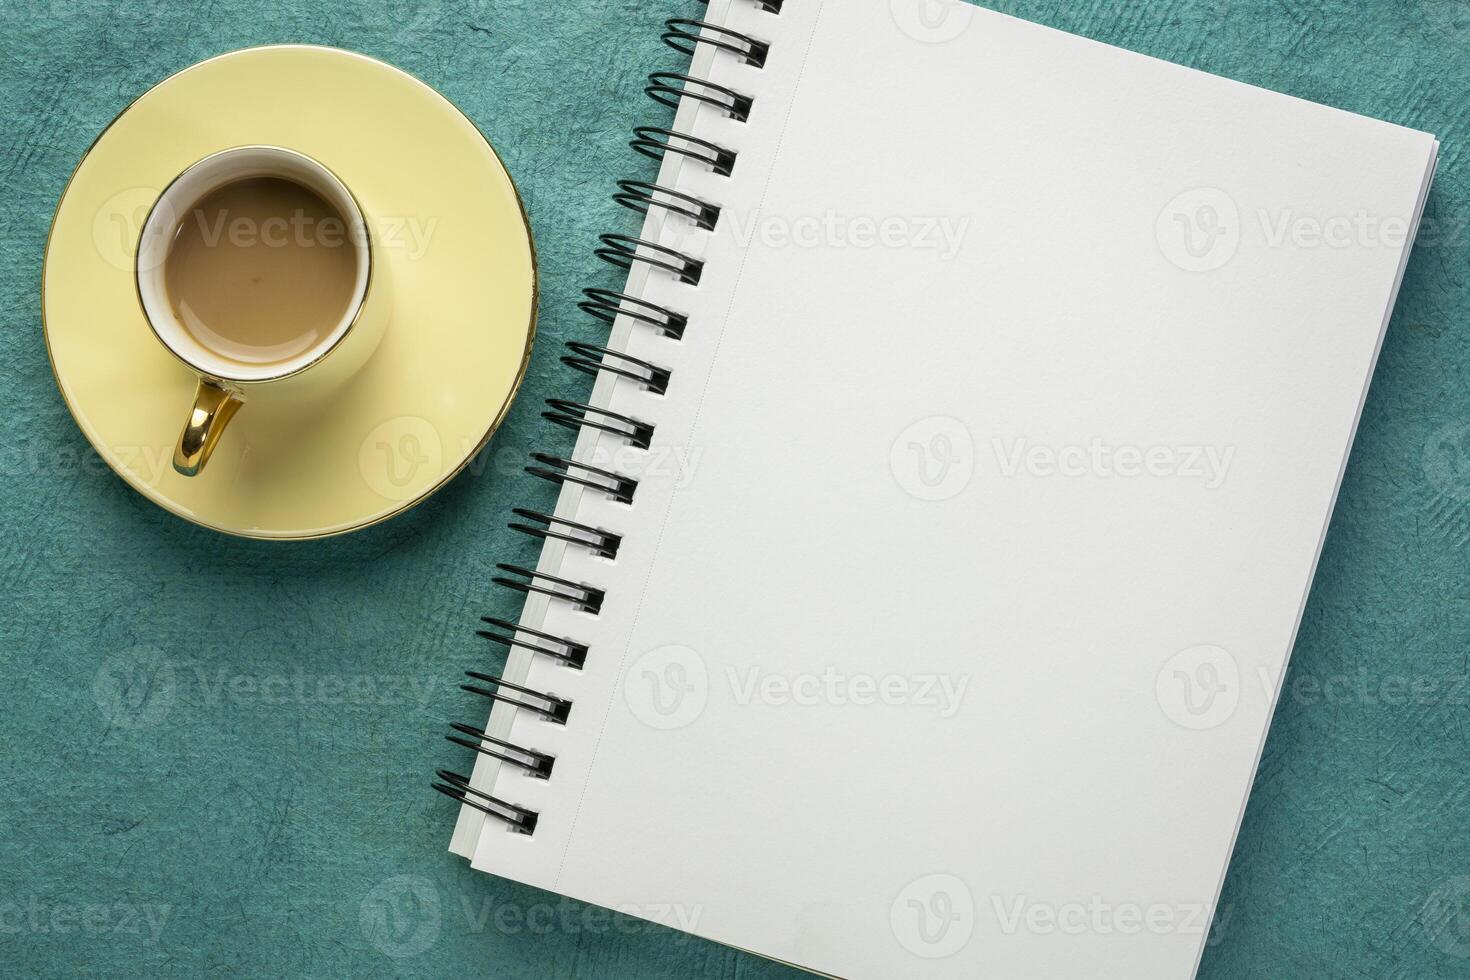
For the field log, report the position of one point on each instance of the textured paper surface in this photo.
(281, 832)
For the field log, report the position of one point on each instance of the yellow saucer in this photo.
(458, 250)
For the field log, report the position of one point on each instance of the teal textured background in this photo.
(215, 754)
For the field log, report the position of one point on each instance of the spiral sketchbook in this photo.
(943, 511)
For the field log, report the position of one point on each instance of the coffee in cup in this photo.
(254, 265)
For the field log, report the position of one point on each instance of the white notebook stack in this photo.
(923, 577)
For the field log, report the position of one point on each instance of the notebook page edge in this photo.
(1431, 166)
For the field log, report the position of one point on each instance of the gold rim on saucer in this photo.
(460, 256)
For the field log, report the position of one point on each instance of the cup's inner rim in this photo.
(198, 181)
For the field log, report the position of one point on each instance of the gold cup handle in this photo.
(213, 409)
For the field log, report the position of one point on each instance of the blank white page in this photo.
(982, 508)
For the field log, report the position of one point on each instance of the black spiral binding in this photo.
(548, 706)
(457, 787)
(657, 142)
(685, 35)
(608, 305)
(567, 651)
(660, 89)
(590, 359)
(594, 539)
(559, 470)
(640, 195)
(623, 251)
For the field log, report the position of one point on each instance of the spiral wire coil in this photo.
(625, 252)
